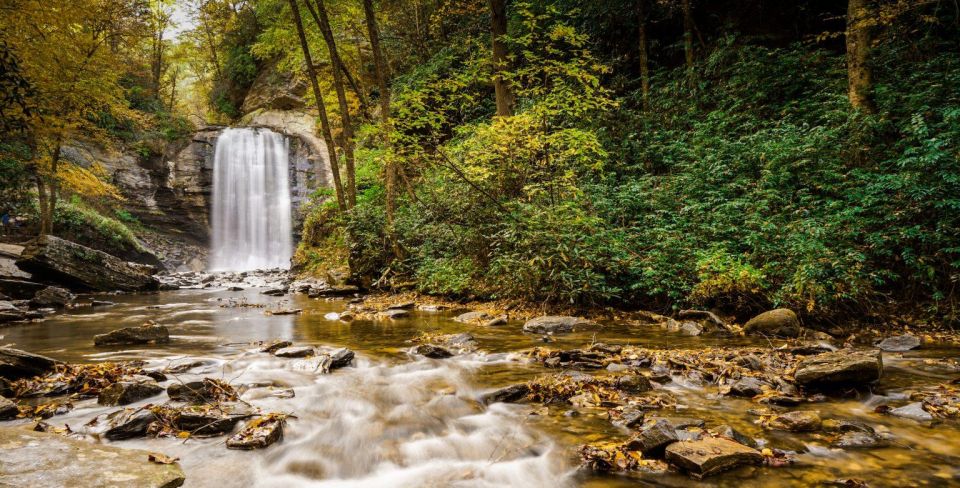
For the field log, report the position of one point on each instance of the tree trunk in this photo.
(688, 39)
(498, 29)
(644, 56)
(354, 86)
(860, 15)
(321, 107)
(390, 168)
(338, 70)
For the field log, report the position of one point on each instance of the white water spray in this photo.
(251, 201)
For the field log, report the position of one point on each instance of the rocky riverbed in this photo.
(285, 382)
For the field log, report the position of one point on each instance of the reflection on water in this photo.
(396, 420)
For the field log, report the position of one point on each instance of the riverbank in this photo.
(432, 399)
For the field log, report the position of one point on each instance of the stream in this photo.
(398, 419)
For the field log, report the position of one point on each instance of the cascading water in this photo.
(251, 201)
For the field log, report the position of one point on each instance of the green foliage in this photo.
(77, 221)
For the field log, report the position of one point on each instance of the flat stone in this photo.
(900, 343)
(630, 417)
(781, 322)
(472, 317)
(8, 409)
(710, 455)
(44, 459)
(401, 306)
(16, 364)
(393, 314)
(431, 307)
(19, 289)
(840, 368)
(912, 411)
(735, 435)
(127, 392)
(557, 324)
(334, 291)
(211, 422)
(509, 394)
(341, 358)
(145, 334)
(274, 292)
(275, 346)
(654, 436)
(295, 352)
(858, 440)
(432, 351)
(798, 421)
(62, 261)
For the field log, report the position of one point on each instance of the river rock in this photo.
(498, 320)
(202, 421)
(16, 364)
(393, 313)
(8, 409)
(295, 352)
(275, 346)
(52, 296)
(735, 435)
(45, 459)
(333, 291)
(472, 317)
(653, 437)
(275, 292)
(690, 328)
(747, 386)
(11, 313)
(634, 383)
(630, 417)
(432, 351)
(840, 426)
(858, 440)
(127, 392)
(19, 289)
(900, 343)
(257, 434)
(710, 455)
(510, 394)
(912, 411)
(401, 306)
(840, 368)
(191, 391)
(128, 423)
(781, 322)
(798, 421)
(62, 261)
(145, 334)
(556, 324)
(341, 358)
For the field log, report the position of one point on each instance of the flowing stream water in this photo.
(250, 207)
(395, 419)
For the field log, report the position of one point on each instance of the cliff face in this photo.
(170, 193)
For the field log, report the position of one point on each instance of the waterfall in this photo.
(250, 212)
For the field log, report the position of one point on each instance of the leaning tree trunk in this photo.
(498, 29)
(860, 14)
(644, 55)
(338, 69)
(321, 107)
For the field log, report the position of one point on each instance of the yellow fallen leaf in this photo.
(156, 457)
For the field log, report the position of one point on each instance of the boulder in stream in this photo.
(781, 322)
(145, 334)
(258, 433)
(341, 358)
(204, 421)
(556, 324)
(52, 296)
(710, 455)
(128, 423)
(858, 440)
(747, 386)
(45, 459)
(509, 394)
(127, 392)
(840, 368)
(472, 317)
(899, 343)
(295, 352)
(797, 421)
(273, 347)
(393, 313)
(63, 261)
(912, 411)
(432, 351)
(653, 437)
(16, 364)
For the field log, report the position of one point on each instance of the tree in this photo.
(321, 107)
(498, 29)
(643, 53)
(160, 18)
(688, 38)
(861, 17)
(390, 168)
(323, 21)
